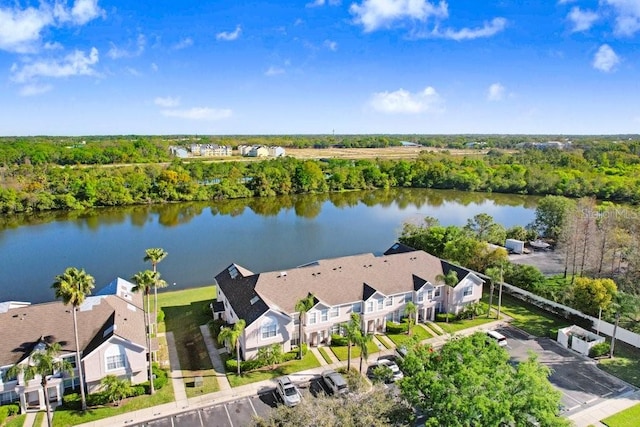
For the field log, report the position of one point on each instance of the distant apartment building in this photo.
(260, 151)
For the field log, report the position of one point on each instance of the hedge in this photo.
(231, 364)
(7, 411)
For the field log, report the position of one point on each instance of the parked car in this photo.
(498, 337)
(336, 382)
(396, 373)
(288, 392)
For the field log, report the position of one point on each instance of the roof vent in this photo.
(254, 300)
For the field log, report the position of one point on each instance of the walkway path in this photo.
(216, 361)
(435, 327)
(29, 419)
(176, 372)
(318, 356)
(593, 415)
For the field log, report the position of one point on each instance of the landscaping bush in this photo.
(97, 399)
(600, 349)
(442, 317)
(137, 390)
(396, 328)
(7, 411)
(160, 316)
(214, 327)
(161, 377)
(338, 340)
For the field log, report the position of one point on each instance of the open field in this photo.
(372, 153)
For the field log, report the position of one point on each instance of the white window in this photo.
(408, 297)
(380, 304)
(356, 308)
(437, 292)
(468, 291)
(430, 294)
(388, 302)
(312, 318)
(116, 362)
(420, 296)
(335, 312)
(324, 315)
(369, 306)
(71, 360)
(269, 331)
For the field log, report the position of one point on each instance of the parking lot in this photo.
(236, 413)
(581, 382)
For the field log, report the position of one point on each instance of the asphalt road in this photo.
(579, 379)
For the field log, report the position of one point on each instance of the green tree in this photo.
(155, 256)
(495, 276)
(44, 362)
(592, 295)
(116, 388)
(410, 310)
(485, 229)
(231, 338)
(470, 382)
(302, 307)
(362, 341)
(552, 214)
(623, 305)
(450, 280)
(144, 281)
(352, 331)
(73, 286)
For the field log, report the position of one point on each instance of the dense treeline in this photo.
(612, 174)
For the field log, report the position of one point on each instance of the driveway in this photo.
(578, 378)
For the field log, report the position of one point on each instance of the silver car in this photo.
(288, 392)
(336, 382)
(396, 372)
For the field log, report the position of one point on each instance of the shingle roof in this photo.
(21, 328)
(239, 288)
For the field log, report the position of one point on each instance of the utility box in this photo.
(514, 246)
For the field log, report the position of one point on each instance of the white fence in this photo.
(606, 328)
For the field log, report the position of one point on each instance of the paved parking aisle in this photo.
(580, 381)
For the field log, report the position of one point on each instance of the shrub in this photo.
(161, 377)
(600, 349)
(305, 349)
(442, 317)
(396, 328)
(137, 390)
(7, 411)
(214, 327)
(160, 316)
(338, 340)
(289, 356)
(97, 399)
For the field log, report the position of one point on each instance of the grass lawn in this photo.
(40, 417)
(70, 417)
(417, 332)
(383, 342)
(457, 325)
(185, 311)
(16, 421)
(627, 418)
(625, 364)
(530, 318)
(325, 354)
(341, 351)
(309, 361)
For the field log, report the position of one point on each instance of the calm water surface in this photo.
(203, 238)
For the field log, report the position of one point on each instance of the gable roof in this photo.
(22, 328)
(238, 285)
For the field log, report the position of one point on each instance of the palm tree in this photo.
(44, 362)
(623, 306)
(450, 279)
(410, 310)
(73, 286)
(363, 341)
(495, 275)
(302, 306)
(155, 255)
(144, 280)
(352, 329)
(116, 388)
(231, 337)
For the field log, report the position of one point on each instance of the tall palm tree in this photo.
(231, 337)
(410, 310)
(494, 274)
(44, 362)
(362, 341)
(352, 329)
(623, 306)
(155, 256)
(302, 307)
(73, 286)
(450, 279)
(144, 281)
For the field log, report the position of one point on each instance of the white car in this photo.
(288, 392)
(395, 370)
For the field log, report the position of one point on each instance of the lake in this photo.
(261, 234)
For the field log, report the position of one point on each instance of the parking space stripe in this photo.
(253, 407)
(200, 417)
(228, 415)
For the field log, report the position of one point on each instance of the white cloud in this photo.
(375, 14)
(183, 44)
(495, 92)
(487, 30)
(318, 3)
(167, 101)
(605, 59)
(74, 64)
(116, 53)
(331, 45)
(229, 36)
(274, 71)
(53, 46)
(582, 20)
(35, 89)
(404, 102)
(627, 16)
(154, 66)
(20, 29)
(199, 113)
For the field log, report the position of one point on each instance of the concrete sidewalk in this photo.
(593, 415)
(176, 372)
(216, 360)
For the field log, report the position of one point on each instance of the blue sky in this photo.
(91, 67)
